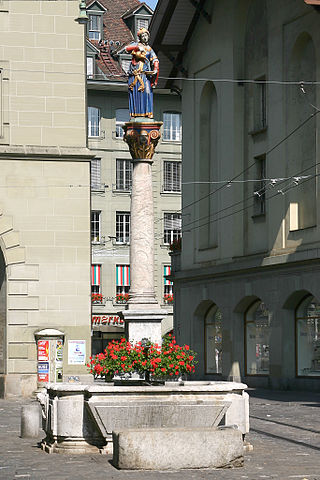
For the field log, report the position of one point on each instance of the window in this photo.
(122, 283)
(95, 226)
(168, 285)
(90, 67)
(95, 279)
(259, 206)
(172, 126)
(308, 337)
(96, 174)
(122, 116)
(257, 333)
(213, 341)
(172, 227)
(142, 23)
(172, 177)
(93, 122)
(123, 175)
(95, 24)
(260, 104)
(122, 227)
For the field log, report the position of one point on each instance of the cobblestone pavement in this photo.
(285, 432)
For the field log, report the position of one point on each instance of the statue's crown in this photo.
(143, 30)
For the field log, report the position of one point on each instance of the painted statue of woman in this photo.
(143, 75)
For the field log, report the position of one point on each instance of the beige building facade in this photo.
(247, 278)
(44, 196)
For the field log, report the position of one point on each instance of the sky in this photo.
(151, 3)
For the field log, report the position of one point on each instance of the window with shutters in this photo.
(122, 283)
(122, 227)
(96, 174)
(172, 177)
(123, 175)
(167, 285)
(93, 122)
(142, 23)
(172, 227)
(95, 279)
(172, 128)
(122, 116)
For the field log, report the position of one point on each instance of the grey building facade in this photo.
(247, 278)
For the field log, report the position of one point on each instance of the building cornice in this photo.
(33, 152)
(257, 264)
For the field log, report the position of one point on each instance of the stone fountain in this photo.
(131, 419)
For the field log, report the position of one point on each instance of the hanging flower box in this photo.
(122, 297)
(96, 298)
(168, 299)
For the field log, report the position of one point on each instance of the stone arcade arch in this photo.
(13, 271)
(3, 322)
(207, 335)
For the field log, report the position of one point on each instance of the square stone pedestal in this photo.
(141, 324)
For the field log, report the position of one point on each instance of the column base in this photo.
(145, 323)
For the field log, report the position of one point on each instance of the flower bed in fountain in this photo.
(168, 360)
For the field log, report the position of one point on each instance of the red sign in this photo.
(43, 350)
(106, 320)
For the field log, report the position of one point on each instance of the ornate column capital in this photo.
(142, 138)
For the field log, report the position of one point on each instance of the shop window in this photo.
(93, 122)
(100, 341)
(122, 227)
(308, 337)
(172, 227)
(168, 286)
(213, 341)
(257, 334)
(123, 175)
(172, 128)
(172, 177)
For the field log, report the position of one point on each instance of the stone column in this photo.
(143, 315)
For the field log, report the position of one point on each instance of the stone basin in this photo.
(80, 418)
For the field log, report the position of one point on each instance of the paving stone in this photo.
(285, 432)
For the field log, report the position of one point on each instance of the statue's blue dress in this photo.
(141, 94)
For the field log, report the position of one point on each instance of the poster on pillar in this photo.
(76, 352)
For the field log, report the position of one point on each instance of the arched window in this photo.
(172, 128)
(213, 341)
(93, 122)
(308, 337)
(257, 334)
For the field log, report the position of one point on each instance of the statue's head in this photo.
(143, 35)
